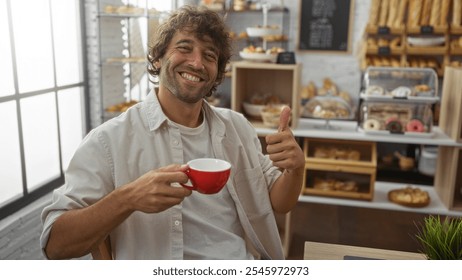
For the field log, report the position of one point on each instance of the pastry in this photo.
(393, 125)
(375, 91)
(415, 125)
(409, 196)
(401, 92)
(371, 124)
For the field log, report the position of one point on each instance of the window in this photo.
(42, 94)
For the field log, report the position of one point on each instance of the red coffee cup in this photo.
(207, 175)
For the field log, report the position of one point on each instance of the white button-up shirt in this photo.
(124, 148)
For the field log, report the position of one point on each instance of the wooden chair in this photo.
(103, 251)
(326, 251)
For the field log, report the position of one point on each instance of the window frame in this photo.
(28, 196)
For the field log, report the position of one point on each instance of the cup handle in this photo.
(191, 186)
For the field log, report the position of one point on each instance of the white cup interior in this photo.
(209, 164)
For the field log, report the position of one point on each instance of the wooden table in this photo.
(327, 251)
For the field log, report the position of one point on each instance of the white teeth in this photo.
(190, 77)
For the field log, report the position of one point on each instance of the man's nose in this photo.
(196, 60)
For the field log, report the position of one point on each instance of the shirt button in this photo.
(177, 223)
(175, 142)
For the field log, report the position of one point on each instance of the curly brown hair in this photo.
(203, 22)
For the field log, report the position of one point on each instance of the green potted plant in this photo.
(441, 239)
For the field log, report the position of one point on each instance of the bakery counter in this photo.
(348, 130)
(444, 196)
(380, 201)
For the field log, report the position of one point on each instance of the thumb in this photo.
(284, 118)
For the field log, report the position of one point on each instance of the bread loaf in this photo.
(392, 12)
(456, 13)
(444, 12)
(383, 12)
(435, 13)
(415, 10)
(374, 12)
(426, 12)
(401, 13)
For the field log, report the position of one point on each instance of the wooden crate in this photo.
(448, 177)
(281, 80)
(340, 152)
(450, 119)
(318, 175)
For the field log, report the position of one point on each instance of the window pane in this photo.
(66, 39)
(70, 120)
(32, 33)
(40, 131)
(10, 162)
(6, 67)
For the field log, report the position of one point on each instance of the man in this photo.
(123, 180)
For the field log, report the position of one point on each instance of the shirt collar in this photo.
(156, 117)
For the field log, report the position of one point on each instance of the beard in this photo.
(181, 88)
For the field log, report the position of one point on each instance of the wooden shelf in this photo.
(347, 130)
(380, 201)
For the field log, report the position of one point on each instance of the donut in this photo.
(415, 125)
(375, 91)
(394, 125)
(401, 92)
(371, 124)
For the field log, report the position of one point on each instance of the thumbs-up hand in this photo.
(282, 147)
(284, 119)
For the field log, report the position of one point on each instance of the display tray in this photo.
(386, 132)
(426, 99)
(259, 57)
(426, 41)
(263, 31)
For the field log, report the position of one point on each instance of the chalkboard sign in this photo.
(325, 25)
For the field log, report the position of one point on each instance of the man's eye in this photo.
(211, 56)
(183, 48)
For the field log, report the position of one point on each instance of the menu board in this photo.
(325, 25)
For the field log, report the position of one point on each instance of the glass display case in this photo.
(398, 101)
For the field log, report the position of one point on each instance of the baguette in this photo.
(426, 12)
(383, 12)
(415, 10)
(392, 12)
(456, 12)
(444, 12)
(374, 12)
(435, 13)
(401, 13)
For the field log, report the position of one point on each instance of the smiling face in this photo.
(189, 67)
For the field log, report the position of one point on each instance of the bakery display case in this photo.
(339, 181)
(398, 101)
(390, 118)
(336, 168)
(337, 152)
